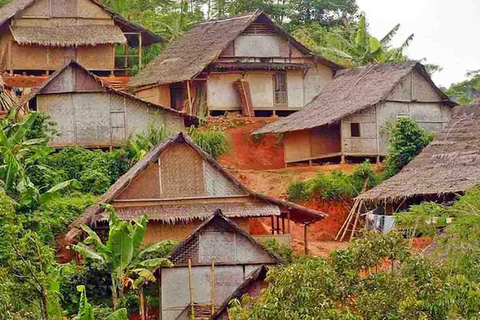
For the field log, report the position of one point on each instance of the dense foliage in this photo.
(406, 139)
(335, 185)
(361, 282)
(464, 92)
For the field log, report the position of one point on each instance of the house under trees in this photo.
(243, 63)
(38, 37)
(348, 117)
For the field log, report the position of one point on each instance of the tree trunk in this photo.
(44, 304)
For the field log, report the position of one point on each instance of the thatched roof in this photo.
(220, 221)
(108, 88)
(257, 276)
(68, 36)
(450, 164)
(15, 7)
(95, 213)
(351, 91)
(186, 57)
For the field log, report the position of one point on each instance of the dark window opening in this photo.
(355, 129)
(177, 96)
(280, 88)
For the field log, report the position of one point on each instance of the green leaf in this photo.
(153, 248)
(55, 190)
(120, 314)
(22, 130)
(94, 239)
(138, 234)
(155, 263)
(87, 252)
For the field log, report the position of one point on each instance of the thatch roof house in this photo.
(244, 62)
(448, 166)
(40, 36)
(347, 117)
(224, 260)
(177, 185)
(90, 113)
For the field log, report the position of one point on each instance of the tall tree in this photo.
(363, 48)
(464, 92)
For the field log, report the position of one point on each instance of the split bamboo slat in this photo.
(353, 216)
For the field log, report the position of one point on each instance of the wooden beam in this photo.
(288, 222)
(278, 224)
(273, 225)
(283, 225)
(305, 240)
(190, 106)
(212, 286)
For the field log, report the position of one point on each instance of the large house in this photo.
(245, 63)
(90, 113)
(348, 117)
(38, 37)
(178, 186)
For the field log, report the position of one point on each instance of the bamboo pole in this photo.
(212, 286)
(359, 208)
(190, 285)
(347, 222)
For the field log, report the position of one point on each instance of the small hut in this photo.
(178, 186)
(242, 63)
(90, 113)
(216, 262)
(348, 117)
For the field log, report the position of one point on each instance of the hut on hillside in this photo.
(40, 36)
(242, 63)
(177, 185)
(216, 263)
(90, 113)
(448, 166)
(348, 117)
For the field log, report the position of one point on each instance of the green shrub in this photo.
(335, 184)
(213, 141)
(406, 139)
(283, 251)
(95, 182)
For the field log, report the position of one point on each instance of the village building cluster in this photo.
(72, 59)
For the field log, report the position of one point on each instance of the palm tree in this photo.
(121, 254)
(362, 48)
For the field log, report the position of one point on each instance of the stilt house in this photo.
(216, 261)
(38, 37)
(90, 113)
(348, 117)
(178, 186)
(448, 166)
(245, 63)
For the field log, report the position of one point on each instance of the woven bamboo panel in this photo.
(85, 82)
(117, 102)
(189, 251)
(145, 186)
(219, 185)
(63, 9)
(181, 172)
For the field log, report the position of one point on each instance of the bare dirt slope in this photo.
(258, 162)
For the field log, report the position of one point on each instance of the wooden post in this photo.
(273, 225)
(189, 98)
(283, 225)
(160, 294)
(278, 224)
(305, 238)
(190, 285)
(142, 304)
(378, 159)
(140, 51)
(212, 286)
(288, 222)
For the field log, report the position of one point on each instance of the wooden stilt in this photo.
(190, 105)
(378, 159)
(278, 224)
(342, 159)
(283, 225)
(288, 222)
(305, 240)
(273, 225)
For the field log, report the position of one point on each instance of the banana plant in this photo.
(362, 48)
(122, 253)
(18, 154)
(87, 312)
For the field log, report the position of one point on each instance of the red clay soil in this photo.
(263, 153)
